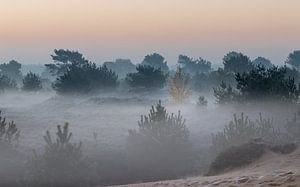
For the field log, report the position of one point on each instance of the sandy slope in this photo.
(271, 170)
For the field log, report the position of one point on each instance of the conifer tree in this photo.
(179, 86)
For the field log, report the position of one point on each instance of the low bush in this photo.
(160, 149)
(61, 164)
(242, 130)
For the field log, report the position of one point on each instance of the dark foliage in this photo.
(202, 101)
(146, 77)
(32, 82)
(261, 83)
(261, 61)
(225, 94)
(7, 84)
(194, 66)
(84, 79)
(294, 59)
(242, 130)
(157, 61)
(121, 67)
(208, 81)
(237, 62)
(9, 133)
(12, 70)
(64, 59)
(11, 160)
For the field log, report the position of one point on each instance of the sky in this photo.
(104, 30)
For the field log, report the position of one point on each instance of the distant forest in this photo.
(240, 79)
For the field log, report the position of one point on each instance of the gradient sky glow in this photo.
(107, 29)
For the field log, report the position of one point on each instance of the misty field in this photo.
(110, 116)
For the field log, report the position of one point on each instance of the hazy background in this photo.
(108, 29)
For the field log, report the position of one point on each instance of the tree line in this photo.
(240, 77)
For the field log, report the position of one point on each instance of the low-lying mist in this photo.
(101, 123)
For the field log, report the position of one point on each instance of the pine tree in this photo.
(180, 86)
(61, 164)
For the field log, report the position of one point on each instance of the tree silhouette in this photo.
(294, 59)
(7, 84)
(157, 61)
(261, 61)
(64, 59)
(12, 70)
(121, 66)
(146, 77)
(237, 62)
(32, 82)
(261, 83)
(84, 79)
(179, 86)
(62, 162)
(160, 146)
(194, 66)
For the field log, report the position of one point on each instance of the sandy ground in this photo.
(271, 170)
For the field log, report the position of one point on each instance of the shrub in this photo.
(202, 101)
(146, 77)
(242, 130)
(32, 82)
(160, 148)
(61, 164)
(11, 160)
(179, 86)
(9, 132)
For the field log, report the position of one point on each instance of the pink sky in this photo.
(109, 29)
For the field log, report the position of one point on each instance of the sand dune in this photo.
(271, 170)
